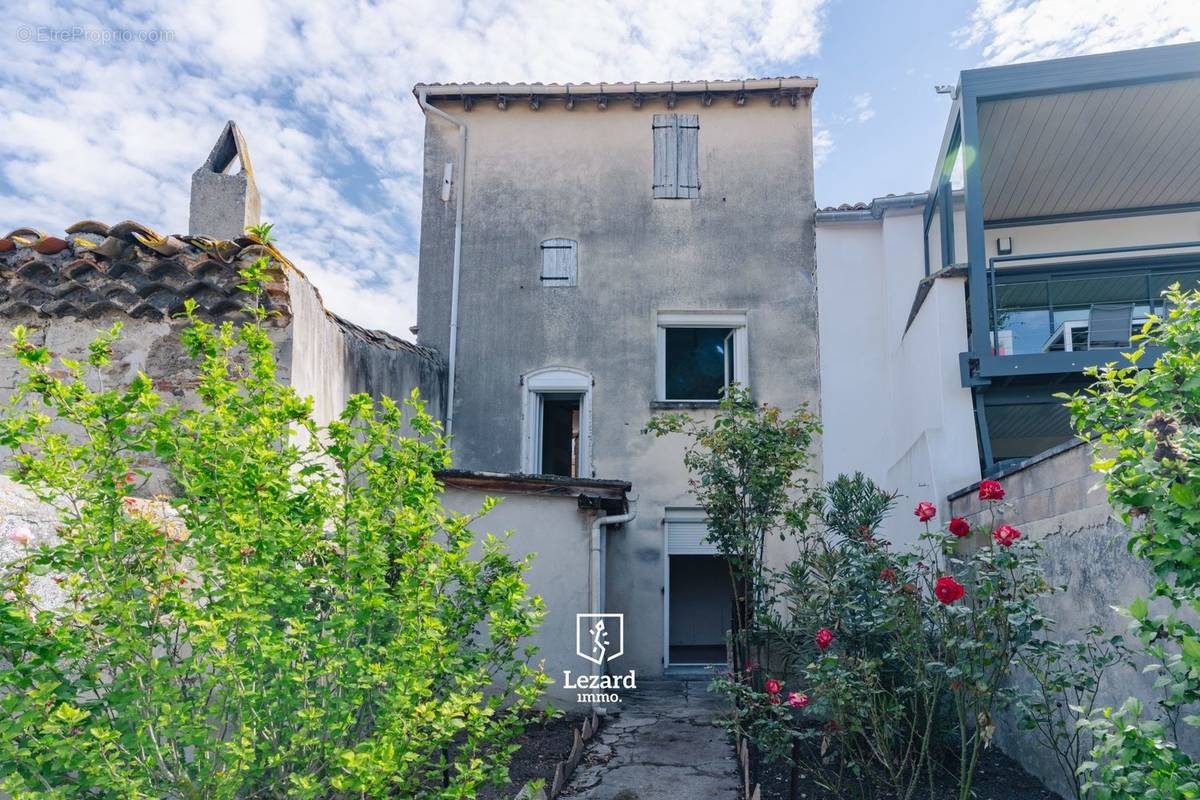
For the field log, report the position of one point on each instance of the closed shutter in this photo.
(560, 263)
(666, 157)
(688, 169)
(686, 532)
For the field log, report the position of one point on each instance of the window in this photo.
(560, 263)
(558, 407)
(699, 354)
(676, 155)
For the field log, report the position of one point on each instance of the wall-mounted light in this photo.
(1004, 245)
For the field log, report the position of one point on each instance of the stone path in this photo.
(660, 744)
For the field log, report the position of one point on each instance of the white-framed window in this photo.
(560, 263)
(676, 156)
(557, 422)
(700, 353)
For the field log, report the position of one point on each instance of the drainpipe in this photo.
(596, 560)
(458, 222)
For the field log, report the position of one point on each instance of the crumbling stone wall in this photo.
(1058, 500)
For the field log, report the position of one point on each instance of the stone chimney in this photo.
(224, 196)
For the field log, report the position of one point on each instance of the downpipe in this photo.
(596, 558)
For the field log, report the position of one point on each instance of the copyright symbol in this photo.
(24, 34)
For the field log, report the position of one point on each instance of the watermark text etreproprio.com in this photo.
(45, 34)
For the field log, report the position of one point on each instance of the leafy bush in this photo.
(1144, 421)
(300, 619)
(751, 473)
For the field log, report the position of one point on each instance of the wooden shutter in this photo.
(666, 155)
(560, 263)
(687, 530)
(688, 170)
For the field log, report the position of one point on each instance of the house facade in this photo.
(603, 253)
(1065, 198)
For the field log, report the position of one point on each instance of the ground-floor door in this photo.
(700, 612)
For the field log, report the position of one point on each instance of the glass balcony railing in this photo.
(1044, 312)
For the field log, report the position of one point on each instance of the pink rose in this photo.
(10, 596)
(797, 700)
(773, 686)
(824, 638)
(925, 511)
(21, 536)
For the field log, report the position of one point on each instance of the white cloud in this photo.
(322, 91)
(822, 145)
(1025, 30)
(862, 106)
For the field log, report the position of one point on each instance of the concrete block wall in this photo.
(1055, 498)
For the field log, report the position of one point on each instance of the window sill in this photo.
(664, 405)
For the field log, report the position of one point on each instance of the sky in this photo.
(105, 113)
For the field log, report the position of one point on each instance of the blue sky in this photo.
(104, 113)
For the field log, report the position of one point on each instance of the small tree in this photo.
(751, 473)
(300, 619)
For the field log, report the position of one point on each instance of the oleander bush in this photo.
(300, 618)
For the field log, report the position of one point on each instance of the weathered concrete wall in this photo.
(746, 244)
(1056, 499)
(554, 529)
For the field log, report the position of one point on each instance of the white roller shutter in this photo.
(686, 532)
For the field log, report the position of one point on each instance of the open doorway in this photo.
(701, 610)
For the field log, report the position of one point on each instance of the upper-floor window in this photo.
(676, 155)
(560, 263)
(699, 354)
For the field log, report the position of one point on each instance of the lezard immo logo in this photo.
(599, 637)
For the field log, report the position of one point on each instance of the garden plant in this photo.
(1142, 415)
(298, 617)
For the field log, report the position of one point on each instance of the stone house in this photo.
(592, 255)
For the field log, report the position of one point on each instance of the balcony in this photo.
(1053, 311)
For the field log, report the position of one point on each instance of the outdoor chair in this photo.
(1109, 325)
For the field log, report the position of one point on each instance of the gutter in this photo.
(597, 555)
(458, 224)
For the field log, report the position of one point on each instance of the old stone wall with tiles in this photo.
(66, 289)
(1056, 498)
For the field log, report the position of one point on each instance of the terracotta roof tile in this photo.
(130, 268)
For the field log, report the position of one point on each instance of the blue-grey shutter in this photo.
(688, 171)
(666, 155)
(560, 263)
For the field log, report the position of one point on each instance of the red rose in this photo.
(991, 490)
(948, 590)
(960, 527)
(797, 700)
(1005, 535)
(824, 638)
(925, 511)
(773, 686)
(775, 699)
(887, 574)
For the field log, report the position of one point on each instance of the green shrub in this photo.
(1144, 421)
(299, 619)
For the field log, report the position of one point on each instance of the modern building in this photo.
(592, 255)
(1065, 197)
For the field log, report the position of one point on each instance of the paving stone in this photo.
(662, 744)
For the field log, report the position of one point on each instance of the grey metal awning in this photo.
(1110, 148)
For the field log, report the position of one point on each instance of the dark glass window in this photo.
(697, 362)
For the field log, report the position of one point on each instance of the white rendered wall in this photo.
(891, 401)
